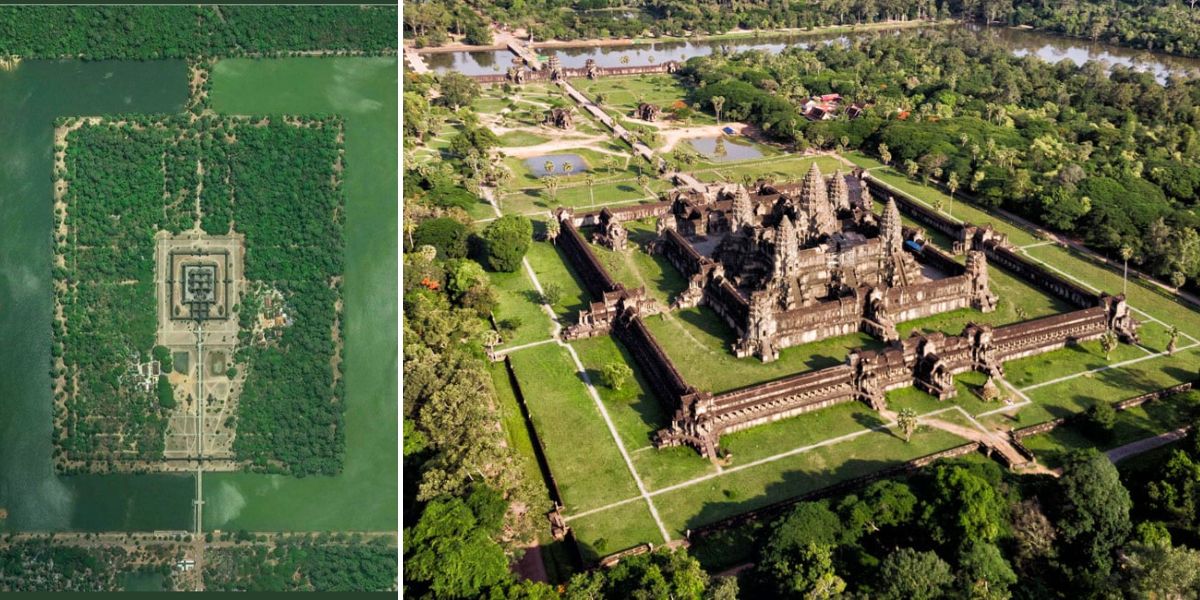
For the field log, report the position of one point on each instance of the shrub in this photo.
(445, 234)
(615, 374)
(505, 242)
(166, 393)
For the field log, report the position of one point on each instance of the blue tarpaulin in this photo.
(915, 247)
(729, 131)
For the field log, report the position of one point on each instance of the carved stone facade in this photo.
(610, 234)
(561, 118)
(800, 263)
(647, 112)
(751, 280)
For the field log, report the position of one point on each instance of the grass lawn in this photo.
(550, 266)
(1141, 296)
(636, 268)
(582, 456)
(638, 413)
(1149, 419)
(1078, 394)
(515, 431)
(1019, 301)
(968, 399)
(622, 94)
(521, 138)
(518, 300)
(699, 343)
(786, 169)
(575, 194)
(616, 529)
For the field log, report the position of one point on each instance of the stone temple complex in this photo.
(785, 265)
(790, 265)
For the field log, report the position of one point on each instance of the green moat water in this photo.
(363, 497)
(31, 96)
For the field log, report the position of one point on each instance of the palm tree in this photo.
(551, 184)
(567, 167)
(907, 420)
(610, 163)
(884, 154)
(718, 102)
(1108, 343)
(1126, 254)
(643, 180)
(549, 166)
(590, 180)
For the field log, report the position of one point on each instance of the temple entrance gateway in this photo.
(199, 284)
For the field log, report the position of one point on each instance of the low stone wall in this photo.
(1049, 333)
(1039, 276)
(656, 366)
(1126, 404)
(595, 277)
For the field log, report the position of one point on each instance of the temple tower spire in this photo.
(814, 202)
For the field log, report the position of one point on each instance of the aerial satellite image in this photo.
(198, 259)
(713, 299)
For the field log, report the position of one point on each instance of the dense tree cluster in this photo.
(433, 23)
(289, 205)
(969, 530)
(114, 205)
(1171, 26)
(146, 33)
(1114, 157)
(127, 181)
(44, 565)
(321, 565)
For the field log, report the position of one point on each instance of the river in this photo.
(1021, 42)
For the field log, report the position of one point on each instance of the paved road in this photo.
(1134, 448)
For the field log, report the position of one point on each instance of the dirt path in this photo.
(560, 145)
(1145, 445)
(990, 439)
(674, 136)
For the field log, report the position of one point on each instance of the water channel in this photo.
(31, 95)
(364, 496)
(1021, 42)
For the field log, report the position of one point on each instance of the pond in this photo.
(35, 498)
(1021, 42)
(537, 164)
(725, 148)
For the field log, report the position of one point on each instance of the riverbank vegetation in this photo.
(150, 33)
(1112, 158)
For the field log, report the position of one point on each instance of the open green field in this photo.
(622, 94)
(699, 343)
(363, 91)
(1018, 301)
(1134, 424)
(635, 268)
(783, 169)
(579, 447)
(780, 460)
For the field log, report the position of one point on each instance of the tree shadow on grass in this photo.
(1183, 374)
(704, 319)
(871, 420)
(778, 497)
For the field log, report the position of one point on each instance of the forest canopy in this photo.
(147, 33)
